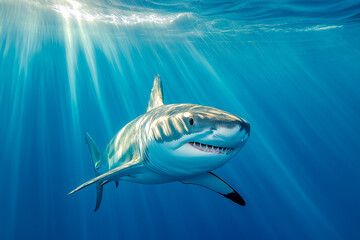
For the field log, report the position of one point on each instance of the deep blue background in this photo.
(291, 68)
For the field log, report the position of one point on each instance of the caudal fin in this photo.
(99, 192)
(98, 166)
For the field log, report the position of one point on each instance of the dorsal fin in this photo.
(156, 97)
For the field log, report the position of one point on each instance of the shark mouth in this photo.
(211, 149)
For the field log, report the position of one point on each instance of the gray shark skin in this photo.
(176, 142)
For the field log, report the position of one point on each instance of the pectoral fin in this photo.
(109, 176)
(213, 182)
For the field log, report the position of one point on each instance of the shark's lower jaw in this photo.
(211, 149)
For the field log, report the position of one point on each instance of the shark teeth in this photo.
(210, 148)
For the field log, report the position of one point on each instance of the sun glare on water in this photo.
(79, 11)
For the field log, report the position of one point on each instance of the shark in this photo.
(174, 142)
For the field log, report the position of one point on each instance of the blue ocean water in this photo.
(291, 68)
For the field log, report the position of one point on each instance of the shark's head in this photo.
(188, 139)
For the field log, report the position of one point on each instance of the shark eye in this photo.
(191, 121)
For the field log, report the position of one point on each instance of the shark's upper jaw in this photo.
(216, 144)
(211, 148)
(222, 140)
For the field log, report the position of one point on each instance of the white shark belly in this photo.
(145, 175)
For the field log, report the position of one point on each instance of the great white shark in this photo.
(175, 142)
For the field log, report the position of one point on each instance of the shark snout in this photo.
(244, 132)
(244, 125)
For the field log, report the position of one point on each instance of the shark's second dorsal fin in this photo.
(156, 97)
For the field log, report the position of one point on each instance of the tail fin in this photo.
(98, 164)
